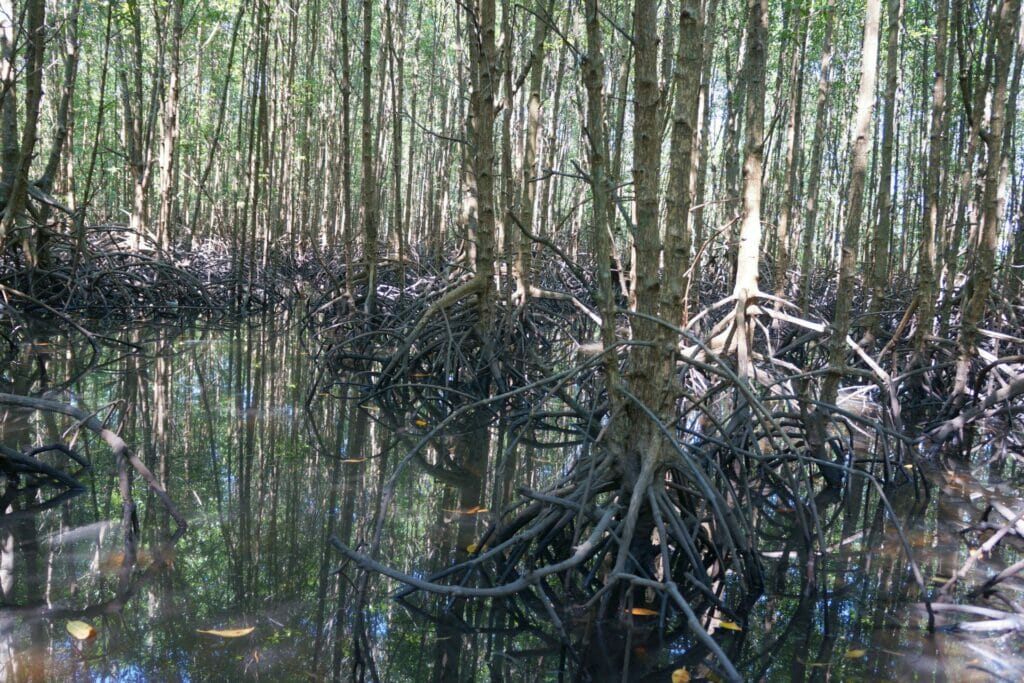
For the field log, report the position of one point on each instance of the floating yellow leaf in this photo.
(420, 422)
(353, 461)
(643, 612)
(228, 633)
(680, 676)
(730, 625)
(855, 654)
(81, 630)
(471, 548)
(475, 510)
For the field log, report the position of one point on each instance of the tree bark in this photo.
(992, 201)
(855, 201)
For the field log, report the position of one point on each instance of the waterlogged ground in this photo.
(266, 467)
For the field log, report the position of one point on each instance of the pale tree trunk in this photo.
(503, 225)
(748, 255)
(138, 123)
(1012, 276)
(855, 201)
(817, 150)
(167, 158)
(396, 49)
(63, 122)
(879, 273)
(521, 268)
(701, 144)
(348, 225)
(791, 171)
(368, 186)
(992, 200)
(927, 286)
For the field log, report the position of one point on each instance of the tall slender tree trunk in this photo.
(927, 285)
(748, 256)
(992, 200)
(879, 272)
(521, 268)
(368, 185)
(817, 150)
(484, 66)
(855, 201)
(791, 171)
(169, 140)
(16, 199)
(679, 198)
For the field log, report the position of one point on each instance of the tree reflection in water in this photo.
(266, 473)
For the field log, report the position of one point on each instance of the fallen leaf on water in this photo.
(81, 630)
(352, 461)
(680, 676)
(730, 625)
(855, 654)
(908, 467)
(420, 422)
(471, 548)
(229, 632)
(475, 510)
(643, 612)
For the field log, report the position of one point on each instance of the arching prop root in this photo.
(122, 452)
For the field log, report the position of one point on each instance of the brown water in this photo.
(266, 472)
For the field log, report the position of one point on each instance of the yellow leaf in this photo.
(730, 625)
(471, 548)
(352, 461)
(680, 676)
(908, 467)
(855, 654)
(81, 630)
(475, 510)
(643, 612)
(420, 422)
(228, 633)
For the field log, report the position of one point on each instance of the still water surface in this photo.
(267, 467)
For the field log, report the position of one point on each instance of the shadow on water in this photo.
(266, 473)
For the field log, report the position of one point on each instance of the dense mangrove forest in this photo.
(511, 340)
